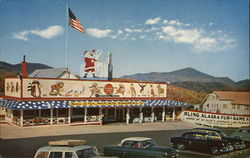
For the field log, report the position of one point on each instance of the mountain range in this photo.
(186, 74)
(193, 79)
(9, 68)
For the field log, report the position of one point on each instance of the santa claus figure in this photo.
(90, 60)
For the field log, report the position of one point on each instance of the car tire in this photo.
(215, 150)
(180, 146)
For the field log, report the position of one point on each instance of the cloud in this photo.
(199, 40)
(195, 35)
(153, 21)
(21, 35)
(172, 22)
(98, 33)
(49, 33)
(133, 30)
(182, 35)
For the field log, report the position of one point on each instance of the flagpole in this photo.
(67, 14)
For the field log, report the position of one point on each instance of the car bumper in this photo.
(226, 149)
(239, 146)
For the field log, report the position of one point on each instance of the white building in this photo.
(227, 102)
(53, 73)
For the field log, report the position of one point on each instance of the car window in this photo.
(55, 155)
(188, 135)
(42, 154)
(214, 134)
(244, 131)
(69, 155)
(136, 144)
(199, 136)
(148, 143)
(86, 153)
(128, 143)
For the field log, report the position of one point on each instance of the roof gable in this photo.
(235, 97)
(50, 73)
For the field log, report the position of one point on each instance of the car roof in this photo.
(210, 129)
(63, 148)
(136, 139)
(197, 132)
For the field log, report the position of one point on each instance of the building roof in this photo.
(235, 97)
(50, 73)
(32, 105)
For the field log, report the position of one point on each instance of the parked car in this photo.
(244, 134)
(139, 147)
(201, 141)
(68, 149)
(219, 134)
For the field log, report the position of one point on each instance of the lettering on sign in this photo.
(103, 103)
(215, 119)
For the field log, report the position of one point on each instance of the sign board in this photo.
(215, 119)
(113, 103)
(64, 88)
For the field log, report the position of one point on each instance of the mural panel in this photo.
(47, 88)
(13, 87)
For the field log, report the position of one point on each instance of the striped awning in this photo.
(33, 105)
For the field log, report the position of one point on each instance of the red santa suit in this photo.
(89, 63)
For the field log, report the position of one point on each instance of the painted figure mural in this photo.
(56, 89)
(35, 89)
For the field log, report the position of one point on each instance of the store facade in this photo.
(49, 101)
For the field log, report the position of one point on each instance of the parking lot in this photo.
(25, 141)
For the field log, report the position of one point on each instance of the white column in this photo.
(100, 115)
(57, 115)
(141, 115)
(163, 113)
(152, 115)
(123, 114)
(115, 113)
(127, 116)
(51, 116)
(21, 118)
(39, 113)
(69, 117)
(11, 114)
(173, 116)
(85, 114)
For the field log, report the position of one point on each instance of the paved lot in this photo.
(25, 141)
(12, 132)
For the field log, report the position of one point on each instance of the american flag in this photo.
(74, 22)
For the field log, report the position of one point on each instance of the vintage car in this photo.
(201, 141)
(68, 149)
(140, 147)
(219, 134)
(244, 134)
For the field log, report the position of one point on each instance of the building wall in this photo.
(214, 104)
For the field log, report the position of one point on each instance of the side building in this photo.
(227, 102)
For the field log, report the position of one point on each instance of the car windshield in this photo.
(222, 134)
(148, 143)
(86, 153)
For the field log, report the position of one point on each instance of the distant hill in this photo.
(186, 74)
(9, 68)
(192, 79)
(243, 85)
